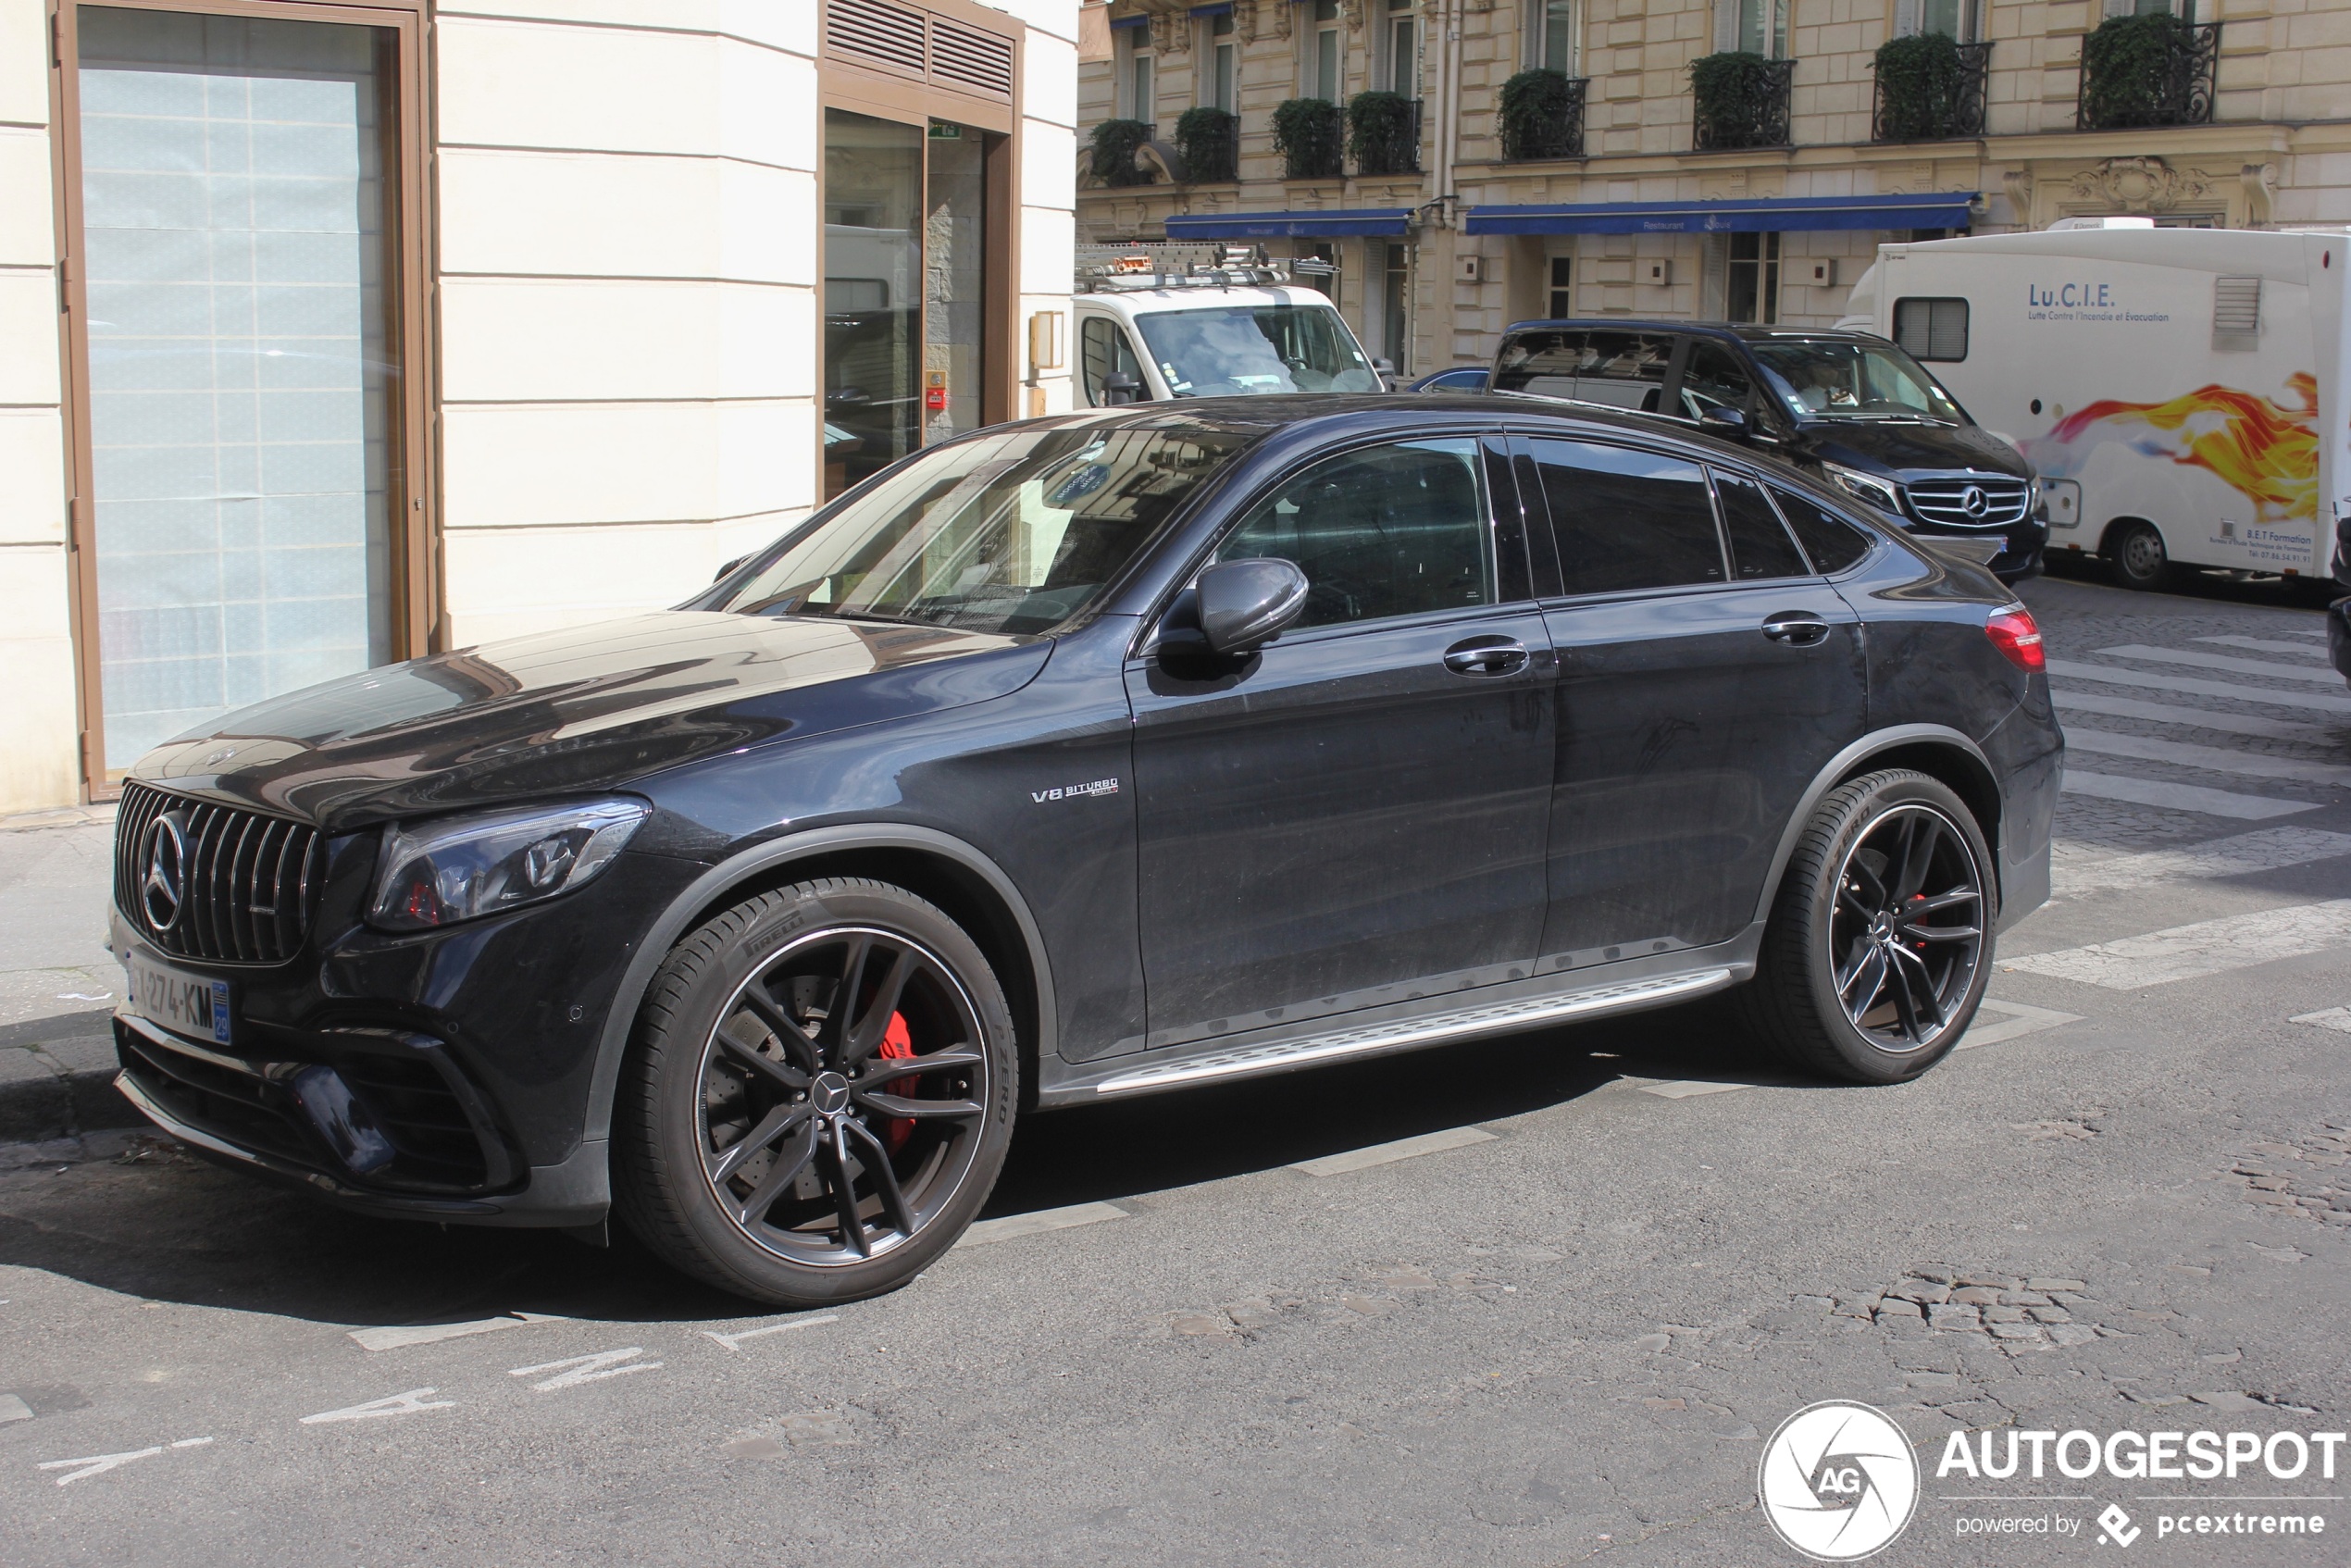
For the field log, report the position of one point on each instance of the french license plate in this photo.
(191, 1004)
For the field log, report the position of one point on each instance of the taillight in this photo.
(2013, 633)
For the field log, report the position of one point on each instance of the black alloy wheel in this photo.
(825, 1085)
(2135, 551)
(1880, 942)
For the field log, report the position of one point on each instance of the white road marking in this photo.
(96, 1463)
(1037, 1222)
(2209, 947)
(2267, 848)
(2212, 759)
(1388, 1153)
(734, 1341)
(192, 1442)
(1688, 1088)
(2017, 1020)
(2189, 686)
(586, 1369)
(13, 1408)
(2194, 660)
(409, 1403)
(2199, 719)
(2263, 645)
(2181, 796)
(404, 1335)
(2333, 1018)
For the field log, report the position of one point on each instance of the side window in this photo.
(1833, 543)
(1760, 548)
(1627, 518)
(1102, 348)
(1618, 369)
(1932, 328)
(1390, 530)
(1713, 377)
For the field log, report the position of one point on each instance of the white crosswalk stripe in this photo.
(2270, 849)
(2209, 947)
(2213, 759)
(2190, 686)
(2171, 713)
(2323, 675)
(2180, 797)
(2264, 645)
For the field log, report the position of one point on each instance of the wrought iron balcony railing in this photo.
(1932, 98)
(2148, 70)
(1542, 116)
(1742, 102)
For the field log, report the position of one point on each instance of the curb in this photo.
(65, 1101)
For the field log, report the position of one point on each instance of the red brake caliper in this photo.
(898, 1043)
(1919, 898)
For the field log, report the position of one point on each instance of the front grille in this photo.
(413, 1095)
(1945, 501)
(247, 883)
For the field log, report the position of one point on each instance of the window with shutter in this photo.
(1932, 328)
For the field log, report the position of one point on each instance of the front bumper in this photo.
(2021, 556)
(443, 1075)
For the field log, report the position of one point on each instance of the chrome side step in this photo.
(1371, 1040)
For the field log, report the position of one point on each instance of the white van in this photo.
(1198, 320)
(2170, 385)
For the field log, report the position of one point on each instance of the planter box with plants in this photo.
(1929, 87)
(1384, 133)
(1114, 146)
(1310, 135)
(2153, 69)
(1208, 141)
(1740, 100)
(1541, 116)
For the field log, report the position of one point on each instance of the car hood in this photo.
(1904, 451)
(591, 707)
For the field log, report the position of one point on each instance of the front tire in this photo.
(2136, 552)
(818, 1097)
(1880, 941)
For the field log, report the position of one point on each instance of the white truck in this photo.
(1200, 320)
(2181, 392)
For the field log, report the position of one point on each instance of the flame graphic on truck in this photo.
(2265, 450)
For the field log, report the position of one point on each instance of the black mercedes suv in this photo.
(1084, 758)
(1847, 408)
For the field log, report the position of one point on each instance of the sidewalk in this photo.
(57, 981)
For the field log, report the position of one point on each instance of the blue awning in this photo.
(1385, 222)
(1933, 209)
(1130, 21)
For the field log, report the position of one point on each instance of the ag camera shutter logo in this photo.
(1839, 1481)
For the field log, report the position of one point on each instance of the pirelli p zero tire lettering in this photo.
(818, 1095)
(1880, 941)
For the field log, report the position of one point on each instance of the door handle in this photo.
(1800, 627)
(1487, 655)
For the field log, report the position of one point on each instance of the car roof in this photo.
(1302, 413)
(1745, 331)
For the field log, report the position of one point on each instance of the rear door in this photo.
(1356, 816)
(1705, 678)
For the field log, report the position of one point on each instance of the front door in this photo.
(1357, 816)
(1702, 686)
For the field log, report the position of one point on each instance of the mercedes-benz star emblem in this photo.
(1974, 501)
(159, 894)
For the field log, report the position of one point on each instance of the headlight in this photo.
(463, 868)
(1866, 486)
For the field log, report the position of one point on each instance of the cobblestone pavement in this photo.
(1534, 1301)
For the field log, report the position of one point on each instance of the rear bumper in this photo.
(2339, 636)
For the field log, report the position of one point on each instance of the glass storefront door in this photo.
(242, 372)
(905, 288)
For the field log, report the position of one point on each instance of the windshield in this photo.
(1229, 350)
(1850, 381)
(1014, 533)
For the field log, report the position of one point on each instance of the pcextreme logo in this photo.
(1839, 1481)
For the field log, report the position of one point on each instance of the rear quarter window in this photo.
(1832, 543)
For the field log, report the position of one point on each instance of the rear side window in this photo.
(1833, 543)
(1760, 548)
(1390, 530)
(1626, 519)
(1618, 369)
(1714, 377)
(1932, 328)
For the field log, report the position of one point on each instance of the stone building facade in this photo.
(2274, 147)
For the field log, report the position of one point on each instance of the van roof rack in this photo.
(1165, 264)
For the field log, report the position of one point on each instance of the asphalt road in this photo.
(1560, 1326)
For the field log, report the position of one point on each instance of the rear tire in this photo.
(1880, 941)
(772, 1136)
(2135, 551)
